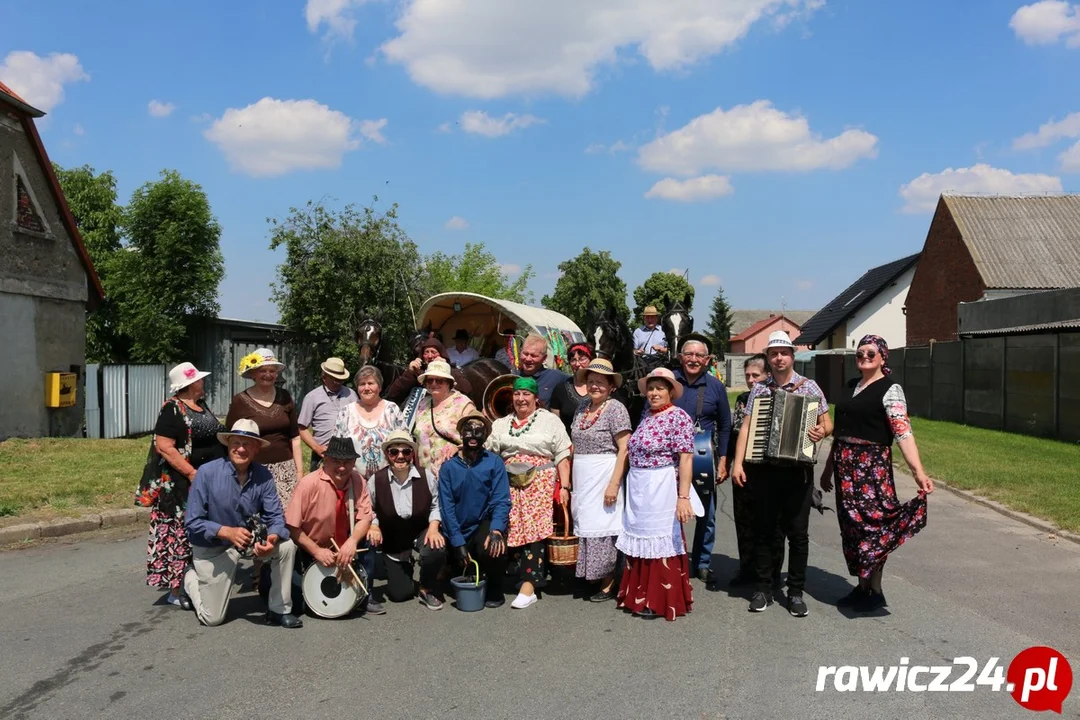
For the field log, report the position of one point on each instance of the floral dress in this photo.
(873, 522)
(368, 437)
(430, 429)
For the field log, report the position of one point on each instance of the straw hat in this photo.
(398, 437)
(335, 368)
(438, 369)
(242, 428)
(183, 375)
(650, 310)
(780, 339)
(666, 375)
(601, 366)
(260, 358)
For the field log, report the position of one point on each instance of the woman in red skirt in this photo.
(873, 522)
(657, 577)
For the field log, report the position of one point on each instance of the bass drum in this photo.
(328, 597)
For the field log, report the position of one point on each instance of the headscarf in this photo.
(527, 383)
(435, 343)
(580, 347)
(883, 348)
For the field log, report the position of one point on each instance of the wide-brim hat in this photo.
(601, 366)
(662, 374)
(461, 334)
(262, 357)
(243, 428)
(438, 369)
(696, 337)
(780, 339)
(650, 310)
(335, 368)
(398, 437)
(341, 448)
(183, 375)
(474, 415)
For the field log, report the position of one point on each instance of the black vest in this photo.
(400, 533)
(863, 416)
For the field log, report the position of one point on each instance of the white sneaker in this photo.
(523, 601)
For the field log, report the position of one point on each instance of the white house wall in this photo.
(883, 315)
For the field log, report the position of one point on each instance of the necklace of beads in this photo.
(584, 423)
(514, 427)
(662, 408)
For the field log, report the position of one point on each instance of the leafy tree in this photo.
(719, 328)
(662, 289)
(170, 268)
(589, 283)
(92, 199)
(339, 267)
(477, 271)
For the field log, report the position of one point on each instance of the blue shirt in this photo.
(470, 494)
(548, 379)
(644, 339)
(715, 411)
(216, 500)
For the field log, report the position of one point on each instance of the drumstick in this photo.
(351, 571)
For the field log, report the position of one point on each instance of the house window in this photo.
(28, 215)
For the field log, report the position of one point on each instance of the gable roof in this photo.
(1020, 242)
(741, 320)
(847, 303)
(761, 325)
(26, 114)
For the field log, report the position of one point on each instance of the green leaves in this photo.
(589, 283)
(477, 271)
(719, 328)
(663, 289)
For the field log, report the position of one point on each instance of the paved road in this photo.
(83, 637)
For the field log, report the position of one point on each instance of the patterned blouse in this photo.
(895, 403)
(434, 448)
(660, 437)
(599, 438)
(368, 437)
(546, 438)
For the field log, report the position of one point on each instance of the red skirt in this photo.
(660, 584)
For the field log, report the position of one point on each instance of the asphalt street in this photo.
(82, 636)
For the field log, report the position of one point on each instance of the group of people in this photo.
(441, 485)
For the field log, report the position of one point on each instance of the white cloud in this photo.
(444, 128)
(495, 48)
(372, 130)
(40, 80)
(337, 15)
(202, 118)
(1049, 133)
(755, 137)
(921, 194)
(159, 109)
(273, 137)
(616, 147)
(1070, 159)
(676, 271)
(706, 187)
(510, 268)
(480, 123)
(709, 281)
(456, 223)
(1046, 22)
(804, 284)
(78, 129)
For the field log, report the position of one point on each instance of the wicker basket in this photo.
(563, 549)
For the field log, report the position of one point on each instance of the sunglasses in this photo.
(865, 354)
(435, 381)
(399, 452)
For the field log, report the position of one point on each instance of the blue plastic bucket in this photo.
(470, 591)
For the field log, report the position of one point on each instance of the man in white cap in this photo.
(320, 408)
(781, 492)
(227, 497)
(649, 340)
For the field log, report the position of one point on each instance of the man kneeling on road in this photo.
(474, 502)
(225, 494)
(406, 505)
(332, 504)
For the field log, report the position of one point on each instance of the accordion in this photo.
(779, 429)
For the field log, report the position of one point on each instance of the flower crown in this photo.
(250, 361)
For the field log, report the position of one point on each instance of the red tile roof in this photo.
(20, 104)
(761, 325)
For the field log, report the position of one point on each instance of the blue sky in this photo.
(685, 134)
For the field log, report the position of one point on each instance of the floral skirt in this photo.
(284, 480)
(873, 522)
(168, 551)
(597, 557)
(531, 507)
(659, 584)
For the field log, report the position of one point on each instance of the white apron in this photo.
(650, 528)
(592, 518)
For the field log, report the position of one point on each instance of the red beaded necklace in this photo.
(662, 408)
(584, 423)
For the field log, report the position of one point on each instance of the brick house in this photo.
(47, 282)
(985, 247)
(754, 338)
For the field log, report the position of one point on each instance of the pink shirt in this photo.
(314, 505)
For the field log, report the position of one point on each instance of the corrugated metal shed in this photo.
(1023, 329)
(1021, 242)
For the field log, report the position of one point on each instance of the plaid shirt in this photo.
(809, 387)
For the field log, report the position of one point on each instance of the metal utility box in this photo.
(60, 388)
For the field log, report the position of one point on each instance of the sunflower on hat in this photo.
(249, 362)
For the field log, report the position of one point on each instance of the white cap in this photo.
(780, 339)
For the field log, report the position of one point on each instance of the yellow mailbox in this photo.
(60, 389)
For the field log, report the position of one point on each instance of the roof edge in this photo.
(10, 97)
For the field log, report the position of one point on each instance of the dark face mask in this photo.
(473, 435)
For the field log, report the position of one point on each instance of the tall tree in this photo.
(719, 328)
(589, 283)
(341, 266)
(170, 268)
(663, 289)
(477, 271)
(92, 199)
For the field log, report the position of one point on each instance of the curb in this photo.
(997, 507)
(70, 526)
